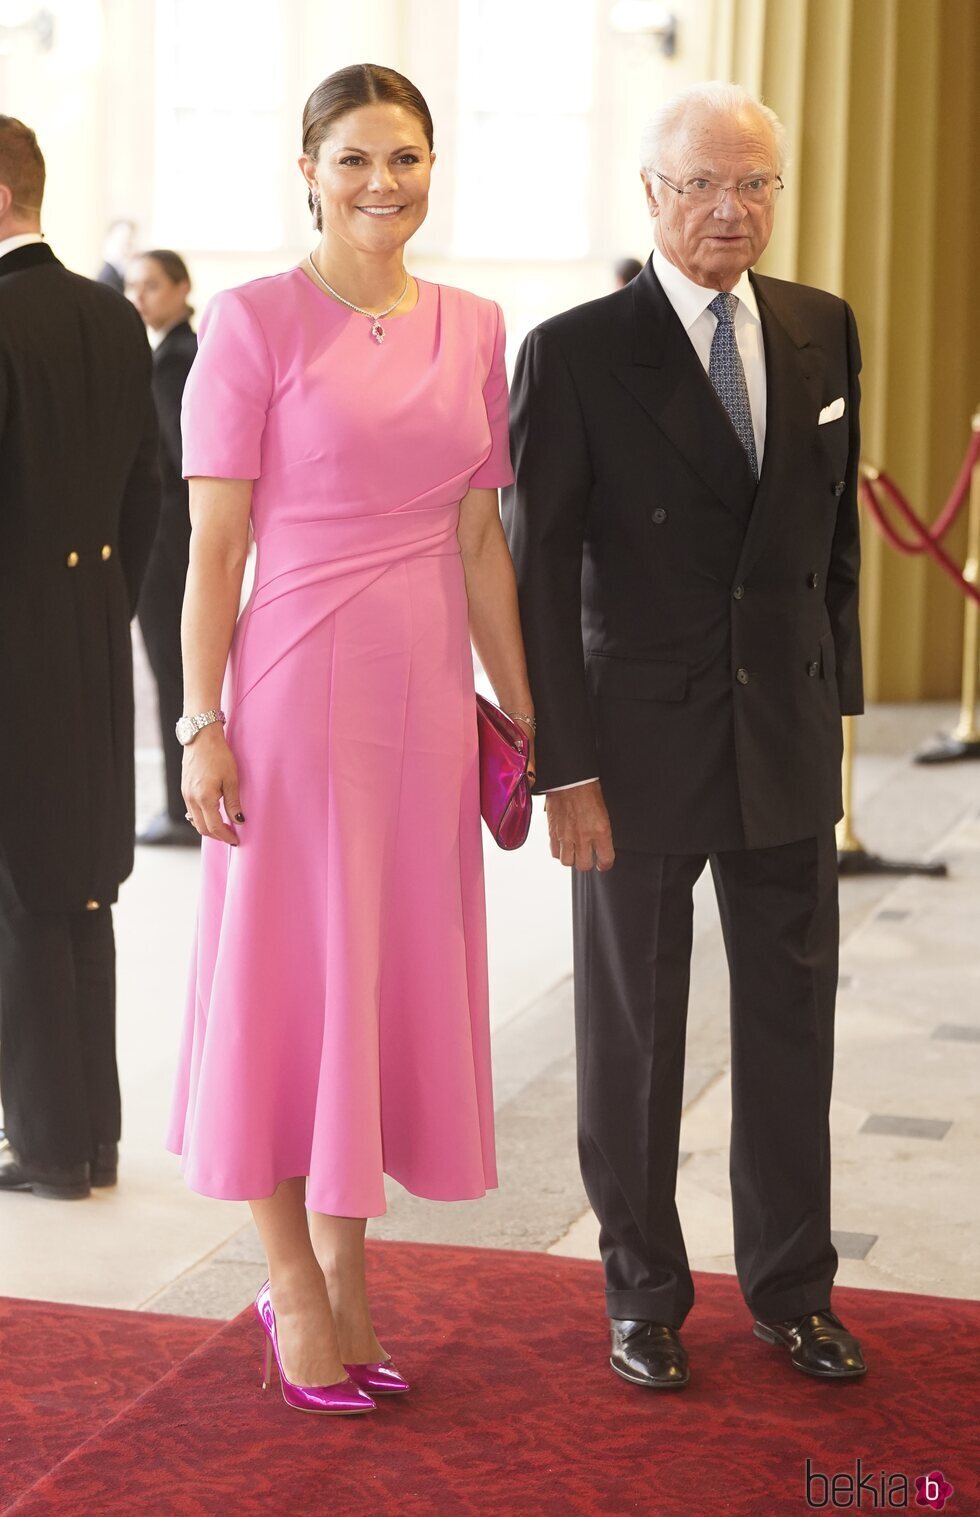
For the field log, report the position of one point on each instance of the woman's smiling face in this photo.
(371, 175)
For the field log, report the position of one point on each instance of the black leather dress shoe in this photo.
(163, 832)
(55, 1183)
(105, 1164)
(819, 1344)
(648, 1354)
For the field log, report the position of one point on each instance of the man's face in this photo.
(713, 243)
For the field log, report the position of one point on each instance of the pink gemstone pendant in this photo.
(378, 332)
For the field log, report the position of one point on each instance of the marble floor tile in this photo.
(894, 1126)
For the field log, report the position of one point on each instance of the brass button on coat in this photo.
(738, 592)
(813, 669)
(92, 905)
(106, 551)
(72, 559)
(840, 487)
(742, 675)
(659, 516)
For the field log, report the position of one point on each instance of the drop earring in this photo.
(315, 209)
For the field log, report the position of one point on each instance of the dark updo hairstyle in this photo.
(347, 90)
(172, 265)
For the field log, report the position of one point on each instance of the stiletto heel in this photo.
(342, 1399)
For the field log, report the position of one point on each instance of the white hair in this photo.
(713, 98)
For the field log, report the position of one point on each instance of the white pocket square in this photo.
(831, 412)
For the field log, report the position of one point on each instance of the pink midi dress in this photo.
(337, 1024)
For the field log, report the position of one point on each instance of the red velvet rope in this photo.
(925, 539)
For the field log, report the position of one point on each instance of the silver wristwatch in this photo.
(188, 727)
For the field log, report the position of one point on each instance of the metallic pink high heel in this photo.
(339, 1400)
(381, 1379)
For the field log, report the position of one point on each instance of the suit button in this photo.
(72, 559)
(742, 675)
(813, 669)
(840, 487)
(106, 551)
(92, 905)
(738, 592)
(813, 580)
(659, 516)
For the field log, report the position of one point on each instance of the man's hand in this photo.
(578, 826)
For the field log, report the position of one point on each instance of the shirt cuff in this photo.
(574, 786)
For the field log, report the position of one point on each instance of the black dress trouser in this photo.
(633, 933)
(58, 1079)
(160, 602)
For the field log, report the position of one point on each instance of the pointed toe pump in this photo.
(381, 1379)
(342, 1399)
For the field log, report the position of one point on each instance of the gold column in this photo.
(967, 730)
(883, 206)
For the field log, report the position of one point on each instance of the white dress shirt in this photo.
(22, 239)
(691, 302)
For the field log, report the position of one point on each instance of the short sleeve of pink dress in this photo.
(337, 1023)
(227, 393)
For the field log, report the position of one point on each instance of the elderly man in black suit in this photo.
(79, 497)
(684, 526)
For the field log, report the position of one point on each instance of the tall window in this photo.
(525, 101)
(220, 149)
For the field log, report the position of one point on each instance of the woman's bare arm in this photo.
(220, 510)
(491, 589)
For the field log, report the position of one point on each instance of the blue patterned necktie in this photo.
(728, 377)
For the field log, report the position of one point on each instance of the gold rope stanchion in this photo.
(852, 856)
(964, 741)
(847, 839)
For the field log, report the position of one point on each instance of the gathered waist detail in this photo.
(307, 570)
(334, 549)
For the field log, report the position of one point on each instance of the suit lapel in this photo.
(668, 380)
(794, 373)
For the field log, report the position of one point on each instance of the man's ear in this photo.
(6, 199)
(647, 181)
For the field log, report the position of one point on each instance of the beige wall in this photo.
(881, 203)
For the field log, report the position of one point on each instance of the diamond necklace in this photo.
(377, 330)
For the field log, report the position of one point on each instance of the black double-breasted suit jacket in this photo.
(691, 633)
(79, 497)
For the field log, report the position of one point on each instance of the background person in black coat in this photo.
(159, 284)
(685, 532)
(117, 250)
(79, 496)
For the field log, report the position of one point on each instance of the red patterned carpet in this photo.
(513, 1411)
(65, 1371)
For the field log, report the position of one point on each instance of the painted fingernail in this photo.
(239, 817)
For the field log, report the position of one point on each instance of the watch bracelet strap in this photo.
(205, 718)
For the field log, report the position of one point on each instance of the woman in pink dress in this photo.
(337, 1031)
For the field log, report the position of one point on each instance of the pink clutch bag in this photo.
(505, 794)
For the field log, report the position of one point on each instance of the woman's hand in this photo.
(210, 775)
(529, 737)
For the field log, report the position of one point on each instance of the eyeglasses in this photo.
(760, 190)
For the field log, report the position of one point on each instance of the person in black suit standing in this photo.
(79, 496)
(116, 253)
(685, 531)
(158, 284)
